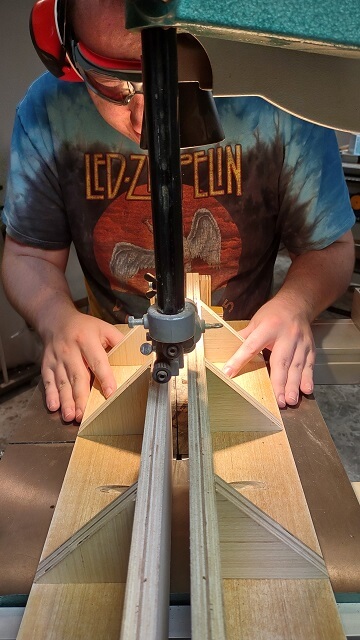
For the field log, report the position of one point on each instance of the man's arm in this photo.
(314, 281)
(74, 344)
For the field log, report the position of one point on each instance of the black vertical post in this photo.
(160, 81)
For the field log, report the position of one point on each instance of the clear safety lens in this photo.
(109, 86)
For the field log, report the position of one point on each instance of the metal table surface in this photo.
(333, 505)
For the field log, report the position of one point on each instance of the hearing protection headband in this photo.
(70, 60)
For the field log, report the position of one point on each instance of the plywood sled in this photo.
(256, 566)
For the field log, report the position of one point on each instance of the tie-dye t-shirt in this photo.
(273, 179)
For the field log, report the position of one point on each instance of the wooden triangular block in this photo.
(127, 352)
(98, 552)
(231, 408)
(253, 546)
(221, 344)
(124, 412)
(252, 383)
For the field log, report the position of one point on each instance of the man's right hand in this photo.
(74, 344)
(74, 347)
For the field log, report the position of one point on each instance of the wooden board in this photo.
(94, 531)
(127, 352)
(69, 606)
(281, 609)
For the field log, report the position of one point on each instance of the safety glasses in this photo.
(114, 80)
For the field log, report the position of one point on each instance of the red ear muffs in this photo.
(45, 31)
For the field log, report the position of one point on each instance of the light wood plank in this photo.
(80, 610)
(258, 466)
(147, 592)
(281, 609)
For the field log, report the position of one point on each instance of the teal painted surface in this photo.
(349, 598)
(331, 21)
(14, 600)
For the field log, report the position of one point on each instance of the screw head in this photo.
(146, 348)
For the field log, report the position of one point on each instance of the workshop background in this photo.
(20, 349)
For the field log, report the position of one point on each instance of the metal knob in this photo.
(135, 322)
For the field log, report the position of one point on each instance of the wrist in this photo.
(54, 313)
(295, 304)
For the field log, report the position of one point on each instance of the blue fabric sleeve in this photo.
(315, 205)
(34, 212)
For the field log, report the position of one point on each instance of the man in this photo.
(78, 174)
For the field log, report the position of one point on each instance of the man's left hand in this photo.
(279, 327)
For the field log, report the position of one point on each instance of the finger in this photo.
(79, 378)
(52, 398)
(112, 336)
(300, 374)
(65, 394)
(244, 333)
(307, 378)
(294, 377)
(98, 362)
(280, 361)
(248, 350)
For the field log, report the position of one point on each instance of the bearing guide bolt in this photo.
(215, 325)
